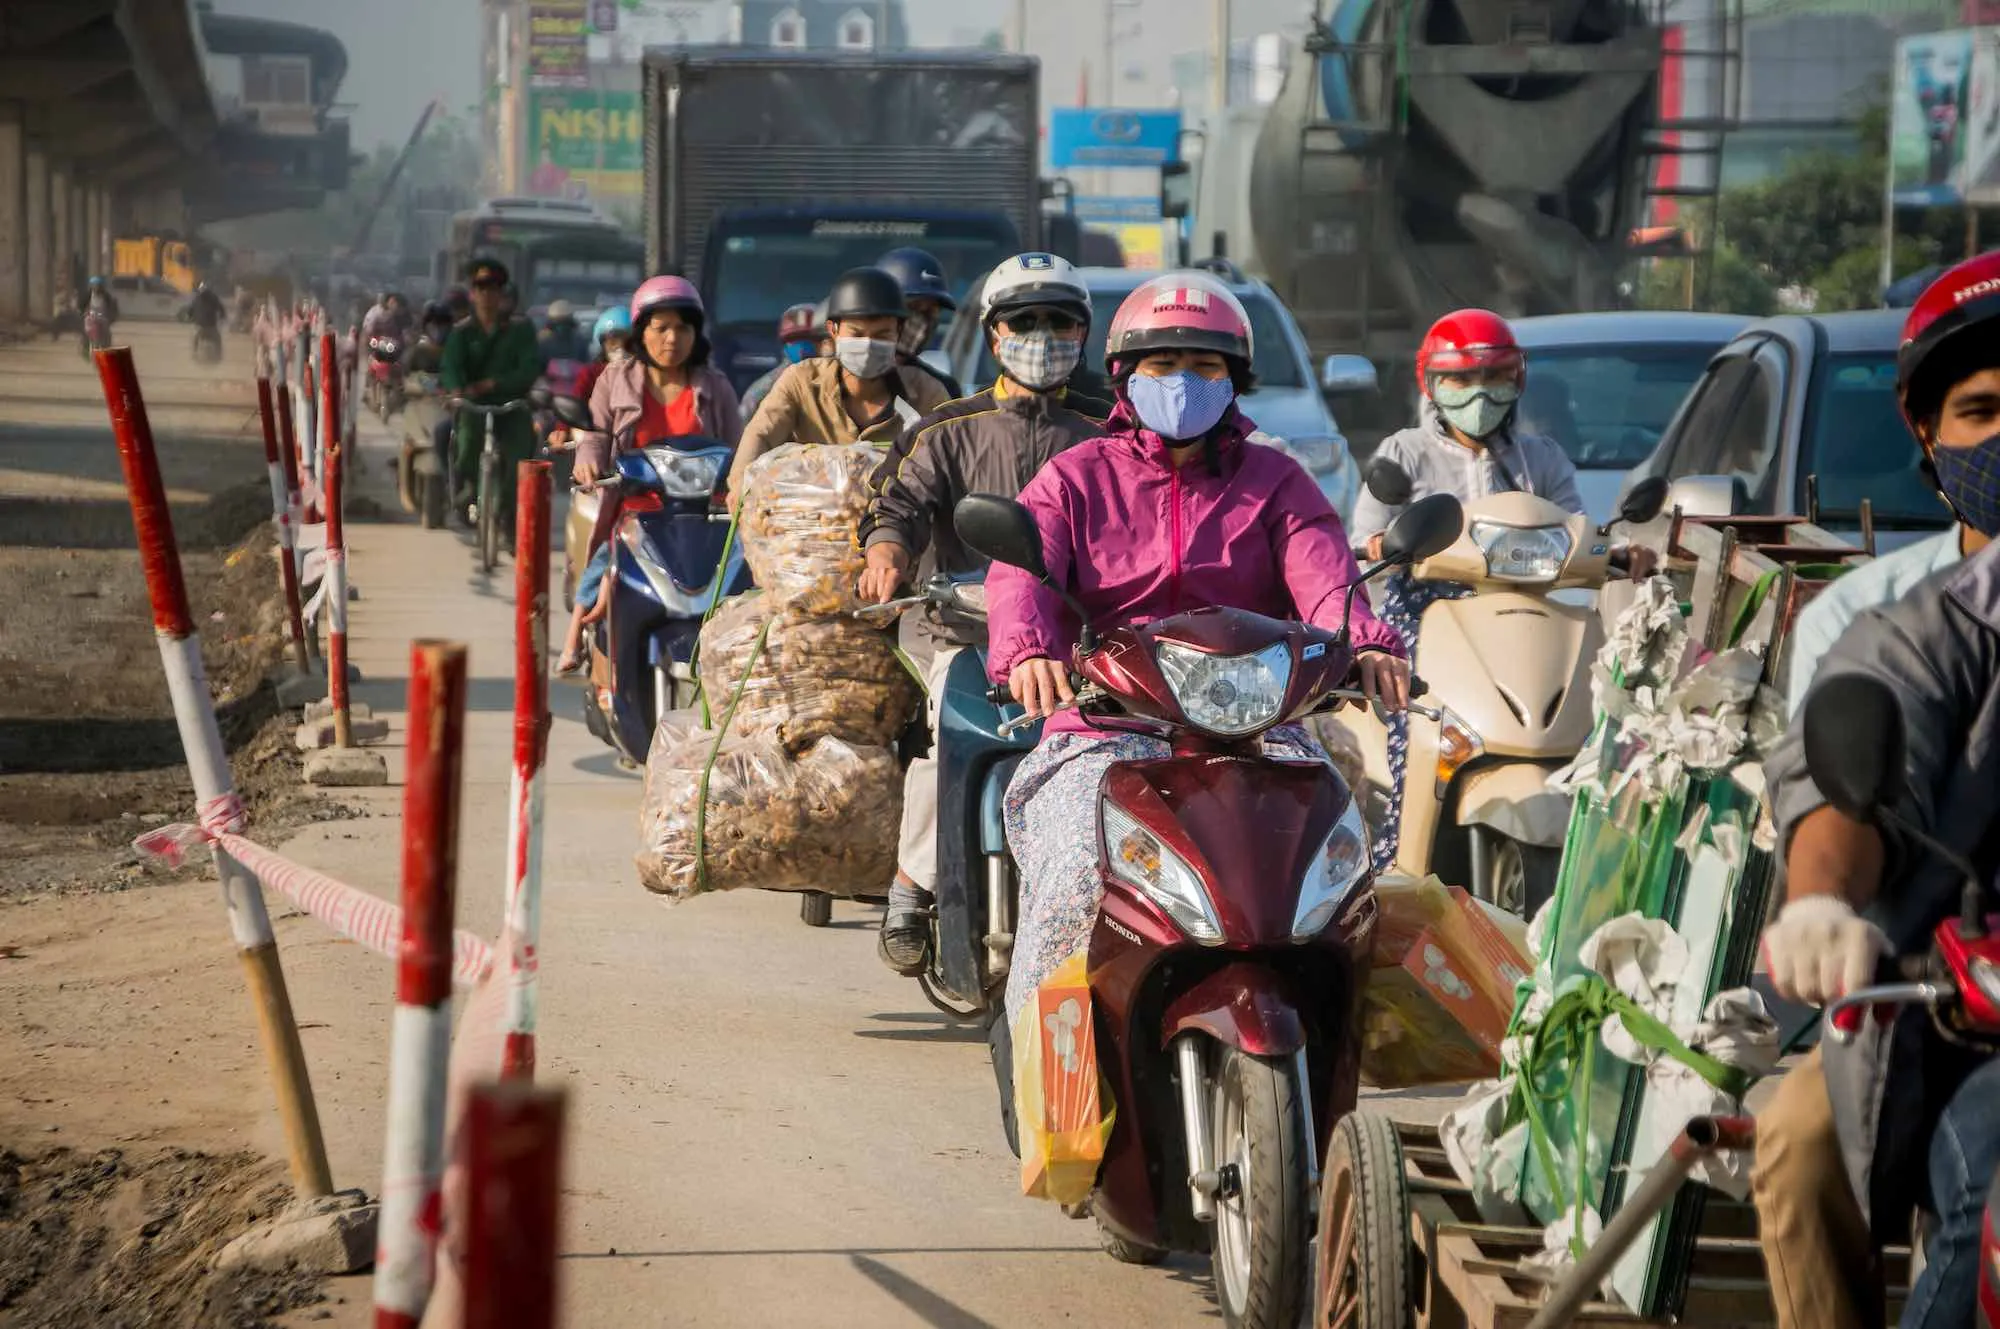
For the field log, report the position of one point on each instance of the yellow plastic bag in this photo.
(1061, 1102)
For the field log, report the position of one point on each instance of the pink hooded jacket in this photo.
(1136, 539)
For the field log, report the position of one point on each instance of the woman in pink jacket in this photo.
(1172, 509)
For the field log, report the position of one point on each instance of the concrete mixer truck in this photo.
(1424, 155)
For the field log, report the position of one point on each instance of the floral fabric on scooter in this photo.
(1052, 830)
(1403, 604)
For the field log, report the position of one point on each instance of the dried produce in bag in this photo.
(1061, 1103)
(812, 678)
(1442, 988)
(825, 820)
(802, 509)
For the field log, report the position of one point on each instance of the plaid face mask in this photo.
(1970, 480)
(1038, 361)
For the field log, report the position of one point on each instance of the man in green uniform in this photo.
(490, 359)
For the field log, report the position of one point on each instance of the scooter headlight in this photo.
(1522, 553)
(684, 475)
(1227, 694)
(1340, 863)
(1139, 858)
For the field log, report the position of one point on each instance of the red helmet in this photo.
(1962, 298)
(1179, 311)
(799, 323)
(1465, 340)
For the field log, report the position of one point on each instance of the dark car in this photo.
(1796, 396)
(1605, 386)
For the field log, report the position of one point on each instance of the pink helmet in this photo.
(1178, 311)
(666, 293)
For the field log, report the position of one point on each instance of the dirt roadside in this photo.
(131, 1092)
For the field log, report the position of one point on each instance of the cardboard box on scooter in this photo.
(1442, 991)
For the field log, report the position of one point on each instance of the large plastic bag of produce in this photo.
(803, 679)
(1442, 988)
(824, 820)
(802, 509)
(1061, 1103)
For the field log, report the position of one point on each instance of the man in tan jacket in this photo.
(857, 395)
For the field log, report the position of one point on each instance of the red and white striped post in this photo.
(309, 403)
(531, 748)
(288, 448)
(336, 547)
(216, 804)
(420, 1045)
(281, 513)
(513, 1155)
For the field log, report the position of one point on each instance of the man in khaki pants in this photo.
(1035, 310)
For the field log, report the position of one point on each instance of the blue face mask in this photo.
(1179, 406)
(796, 351)
(1970, 481)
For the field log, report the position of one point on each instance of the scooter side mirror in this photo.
(1389, 482)
(1002, 530)
(1644, 501)
(1428, 526)
(1854, 744)
(570, 411)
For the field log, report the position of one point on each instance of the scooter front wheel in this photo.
(1363, 1248)
(1263, 1219)
(489, 515)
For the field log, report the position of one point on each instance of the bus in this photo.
(555, 249)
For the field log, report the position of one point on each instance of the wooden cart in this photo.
(1461, 1272)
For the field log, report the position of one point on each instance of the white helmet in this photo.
(1034, 281)
(560, 310)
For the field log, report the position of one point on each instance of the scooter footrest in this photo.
(1000, 941)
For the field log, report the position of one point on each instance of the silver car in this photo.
(1800, 405)
(1605, 386)
(1289, 401)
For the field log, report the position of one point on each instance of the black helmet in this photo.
(437, 311)
(919, 273)
(865, 293)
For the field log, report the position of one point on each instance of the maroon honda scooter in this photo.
(1236, 929)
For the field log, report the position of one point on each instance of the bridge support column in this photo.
(62, 226)
(41, 237)
(14, 218)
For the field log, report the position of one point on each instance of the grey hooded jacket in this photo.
(1938, 650)
(1439, 464)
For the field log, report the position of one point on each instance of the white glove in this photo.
(1819, 949)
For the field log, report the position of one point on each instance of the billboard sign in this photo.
(638, 24)
(1106, 136)
(1103, 210)
(585, 145)
(558, 41)
(1929, 118)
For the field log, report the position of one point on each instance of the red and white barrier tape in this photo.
(365, 919)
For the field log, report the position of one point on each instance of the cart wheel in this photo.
(1363, 1278)
(816, 909)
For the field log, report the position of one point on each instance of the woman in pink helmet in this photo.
(664, 388)
(1172, 509)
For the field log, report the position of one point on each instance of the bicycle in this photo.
(486, 506)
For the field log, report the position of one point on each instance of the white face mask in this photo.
(865, 357)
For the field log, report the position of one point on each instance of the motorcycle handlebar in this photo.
(1900, 980)
(505, 408)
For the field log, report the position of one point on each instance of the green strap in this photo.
(714, 753)
(714, 603)
(903, 658)
(1761, 591)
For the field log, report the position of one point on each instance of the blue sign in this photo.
(1136, 208)
(1087, 136)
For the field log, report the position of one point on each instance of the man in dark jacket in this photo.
(926, 295)
(1035, 311)
(1916, 1116)
(490, 359)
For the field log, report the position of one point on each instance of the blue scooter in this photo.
(978, 885)
(666, 562)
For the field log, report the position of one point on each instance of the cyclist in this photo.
(490, 360)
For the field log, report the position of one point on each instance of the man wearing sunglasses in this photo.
(1036, 310)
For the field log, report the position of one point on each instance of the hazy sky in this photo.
(400, 54)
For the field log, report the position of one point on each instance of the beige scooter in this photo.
(1508, 668)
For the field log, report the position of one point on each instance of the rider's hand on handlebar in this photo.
(583, 473)
(1384, 678)
(1819, 949)
(1375, 547)
(888, 564)
(1040, 685)
(1635, 561)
